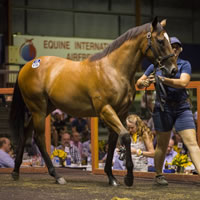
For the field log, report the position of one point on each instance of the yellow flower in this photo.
(181, 160)
(60, 153)
(177, 149)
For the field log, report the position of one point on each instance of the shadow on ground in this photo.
(84, 185)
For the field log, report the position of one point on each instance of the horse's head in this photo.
(158, 48)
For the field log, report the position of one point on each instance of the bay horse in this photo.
(102, 85)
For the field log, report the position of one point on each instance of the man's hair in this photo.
(65, 133)
(2, 141)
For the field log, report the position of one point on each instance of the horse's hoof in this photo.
(61, 181)
(15, 176)
(113, 182)
(128, 180)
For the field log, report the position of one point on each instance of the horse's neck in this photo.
(128, 57)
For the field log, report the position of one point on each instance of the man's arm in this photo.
(7, 162)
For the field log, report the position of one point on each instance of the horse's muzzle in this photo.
(170, 73)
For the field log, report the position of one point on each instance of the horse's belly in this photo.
(75, 107)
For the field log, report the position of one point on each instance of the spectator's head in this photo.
(135, 124)
(57, 116)
(131, 124)
(65, 140)
(5, 144)
(170, 146)
(76, 137)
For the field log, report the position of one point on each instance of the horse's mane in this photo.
(133, 32)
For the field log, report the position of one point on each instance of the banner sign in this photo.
(77, 49)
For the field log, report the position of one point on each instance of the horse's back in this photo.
(65, 82)
(43, 69)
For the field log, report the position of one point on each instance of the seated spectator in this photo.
(86, 152)
(68, 148)
(65, 141)
(58, 122)
(141, 143)
(5, 149)
(179, 146)
(80, 125)
(75, 143)
(170, 154)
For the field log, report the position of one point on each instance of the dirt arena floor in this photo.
(83, 185)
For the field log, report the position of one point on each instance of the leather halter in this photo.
(158, 59)
(157, 65)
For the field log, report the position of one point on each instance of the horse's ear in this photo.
(154, 23)
(163, 22)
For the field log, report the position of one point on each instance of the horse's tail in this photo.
(17, 114)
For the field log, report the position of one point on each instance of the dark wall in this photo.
(103, 19)
(2, 49)
(191, 52)
(100, 18)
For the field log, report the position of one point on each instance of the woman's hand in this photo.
(138, 152)
(133, 150)
(145, 81)
(151, 78)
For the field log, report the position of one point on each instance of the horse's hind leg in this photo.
(19, 156)
(39, 126)
(112, 140)
(20, 149)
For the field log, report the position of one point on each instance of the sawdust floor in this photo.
(87, 186)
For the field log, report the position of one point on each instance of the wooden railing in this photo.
(94, 142)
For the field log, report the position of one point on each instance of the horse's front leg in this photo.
(126, 141)
(112, 140)
(112, 120)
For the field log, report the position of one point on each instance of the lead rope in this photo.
(159, 89)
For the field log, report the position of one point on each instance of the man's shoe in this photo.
(160, 180)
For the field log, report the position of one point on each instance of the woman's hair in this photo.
(142, 128)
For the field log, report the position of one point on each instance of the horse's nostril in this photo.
(173, 72)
